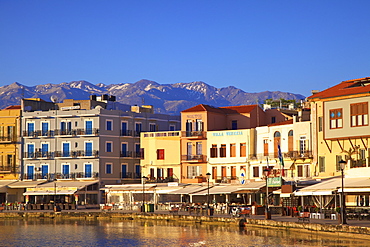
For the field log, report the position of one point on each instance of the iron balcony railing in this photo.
(126, 132)
(88, 153)
(53, 176)
(130, 175)
(8, 138)
(9, 168)
(198, 134)
(194, 158)
(286, 155)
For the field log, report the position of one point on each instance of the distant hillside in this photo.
(166, 98)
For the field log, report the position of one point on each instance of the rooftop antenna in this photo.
(142, 100)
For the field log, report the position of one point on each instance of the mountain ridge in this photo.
(166, 98)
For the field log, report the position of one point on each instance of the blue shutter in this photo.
(88, 149)
(88, 127)
(30, 172)
(124, 171)
(66, 152)
(44, 171)
(88, 170)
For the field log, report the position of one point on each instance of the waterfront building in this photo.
(340, 118)
(96, 139)
(200, 119)
(9, 149)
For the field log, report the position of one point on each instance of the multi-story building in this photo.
(9, 142)
(340, 117)
(87, 139)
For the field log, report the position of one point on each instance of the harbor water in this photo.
(53, 232)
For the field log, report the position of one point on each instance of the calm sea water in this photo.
(51, 232)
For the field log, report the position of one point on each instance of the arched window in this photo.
(276, 143)
(290, 142)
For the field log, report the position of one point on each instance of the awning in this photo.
(4, 184)
(251, 187)
(314, 193)
(218, 190)
(25, 184)
(278, 192)
(59, 187)
(354, 190)
(188, 190)
(49, 193)
(128, 188)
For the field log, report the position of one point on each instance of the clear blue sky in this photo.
(284, 45)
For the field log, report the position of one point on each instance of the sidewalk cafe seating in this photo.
(305, 216)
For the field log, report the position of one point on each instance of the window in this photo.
(302, 144)
(199, 148)
(88, 170)
(109, 125)
(152, 127)
(44, 149)
(30, 150)
(88, 127)
(65, 170)
(300, 170)
(256, 172)
(359, 114)
(232, 150)
(214, 172)
(44, 128)
(337, 159)
(88, 149)
(336, 118)
(44, 171)
(66, 149)
(124, 171)
(124, 129)
(194, 171)
(137, 171)
(233, 172)
(66, 127)
(137, 150)
(199, 125)
(172, 127)
(243, 149)
(214, 151)
(273, 119)
(160, 154)
(108, 168)
(223, 151)
(30, 171)
(124, 152)
(138, 128)
(108, 147)
(265, 147)
(321, 164)
(234, 124)
(320, 124)
(290, 141)
(10, 159)
(30, 128)
(189, 127)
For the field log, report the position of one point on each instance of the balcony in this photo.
(226, 179)
(7, 139)
(194, 158)
(87, 132)
(52, 176)
(38, 155)
(298, 154)
(69, 133)
(8, 169)
(194, 134)
(87, 154)
(65, 154)
(126, 154)
(126, 133)
(130, 175)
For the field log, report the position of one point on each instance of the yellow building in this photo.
(161, 156)
(9, 143)
(340, 121)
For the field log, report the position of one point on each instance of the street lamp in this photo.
(267, 210)
(342, 164)
(143, 206)
(208, 177)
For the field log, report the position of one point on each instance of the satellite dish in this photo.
(54, 98)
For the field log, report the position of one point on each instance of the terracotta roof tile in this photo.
(209, 108)
(282, 123)
(13, 107)
(350, 87)
(241, 108)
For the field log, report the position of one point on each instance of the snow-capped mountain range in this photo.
(166, 98)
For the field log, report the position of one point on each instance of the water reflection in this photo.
(53, 232)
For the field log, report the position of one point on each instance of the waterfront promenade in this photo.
(278, 218)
